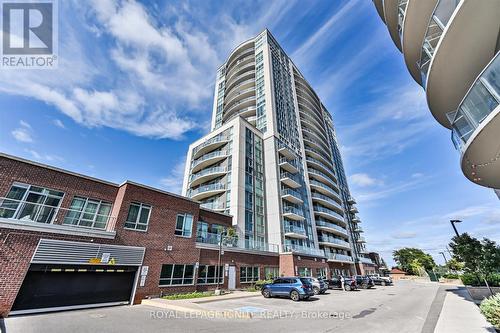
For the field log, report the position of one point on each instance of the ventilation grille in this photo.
(50, 251)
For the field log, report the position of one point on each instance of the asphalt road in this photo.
(400, 308)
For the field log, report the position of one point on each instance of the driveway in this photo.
(400, 308)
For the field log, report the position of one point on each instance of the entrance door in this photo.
(232, 277)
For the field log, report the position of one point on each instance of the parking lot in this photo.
(403, 307)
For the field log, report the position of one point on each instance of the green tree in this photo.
(455, 265)
(479, 258)
(412, 260)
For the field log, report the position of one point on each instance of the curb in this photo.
(201, 301)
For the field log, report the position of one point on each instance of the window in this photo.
(30, 203)
(88, 213)
(321, 272)
(249, 274)
(271, 272)
(202, 230)
(138, 216)
(208, 274)
(304, 271)
(172, 275)
(184, 225)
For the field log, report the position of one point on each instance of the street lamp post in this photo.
(446, 261)
(454, 227)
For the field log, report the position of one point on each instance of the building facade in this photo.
(272, 161)
(451, 49)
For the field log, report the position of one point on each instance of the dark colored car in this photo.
(381, 280)
(292, 287)
(364, 282)
(335, 282)
(318, 284)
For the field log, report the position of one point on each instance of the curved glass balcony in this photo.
(213, 205)
(439, 19)
(326, 200)
(293, 213)
(338, 257)
(208, 159)
(401, 16)
(206, 191)
(328, 225)
(328, 213)
(324, 188)
(303, 249)
(481, 100)
(206, 175)
(210, 144)
(327, 240)
(291, 195)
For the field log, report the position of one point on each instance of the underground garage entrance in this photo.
(67, 275)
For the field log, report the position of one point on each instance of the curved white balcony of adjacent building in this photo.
(245, 76)
(315, 145)
(241, 55)
(358, 229)
(353, 209)
(476, 128)
(321, 176)
(331, 228)
(327, 202)
(238, 87)
(208, 159)
(325, 189)
(303, 250)
(241, 62)
(206, 175)
(308, 108)
(401, 18)
(391, 15)
(318, 155)
(295, 232)
(293, 213)
(209, 145)
(241, 49)
(338, 257)
(304, 87)
(238, 97)
(289, 165)
(206, 191)
(328, 214)
(312, 137)
(469, 42)
(379, 5)
(320, 166)
(441, 15)
(217, 206)
(244, 113)
(306, 115)
(351, 201)
(291, 196)
(308, 125)
(241, 104)
(239, 72)
(333, 242)
(289, 179)
(416, 20)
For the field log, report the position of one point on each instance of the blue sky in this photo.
(134, 87)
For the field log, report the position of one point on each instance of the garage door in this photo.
(52, 287)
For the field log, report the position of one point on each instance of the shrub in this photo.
(451, 276)
(490, 308)
(470, 279)
(251, 289)
(258, 284)
(195, 294)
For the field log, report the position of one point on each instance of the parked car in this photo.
(292, 287)
(364, 282)
(381, 280)
(335, 282)
(319, 285)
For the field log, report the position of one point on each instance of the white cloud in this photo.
(23, 133)
(44, 157)
(173, 182)
(404, 235)
(364, 180)
(58, 123)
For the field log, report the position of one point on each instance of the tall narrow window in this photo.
(138, 216)
(184, 225)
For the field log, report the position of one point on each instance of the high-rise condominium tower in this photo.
(272, 160)
(451, 48)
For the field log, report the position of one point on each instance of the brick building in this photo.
(71, 241)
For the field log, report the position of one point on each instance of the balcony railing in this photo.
(401, 16)
(216, 139)
(365, 260)
(289, 191)
(326, 187)
(316, 195)
(294, 229)
(213, 205)
(237, 242)
(322, 223)
(481, 100)
(293, 210)
(303, 250)
(218, 153)
(207, 188)
(322, 209)
(326, 239)
(27, 211)
(208, 172)
(438, 21)
(338, 256)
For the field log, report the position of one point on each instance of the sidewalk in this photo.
(194, 305)
(460, 314)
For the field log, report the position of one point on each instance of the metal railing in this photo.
(293, 210)
(237, 242)
(330, 225)
(333, 240)
(365, 260)
(218, 153)
(208, 172)
(26, 211)
(338, 256)
(303, 250)
(481, 100)
(207, 188)
(316, 195)
(289, 191)
(213, 205)
(215, 139)
(294, 229)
